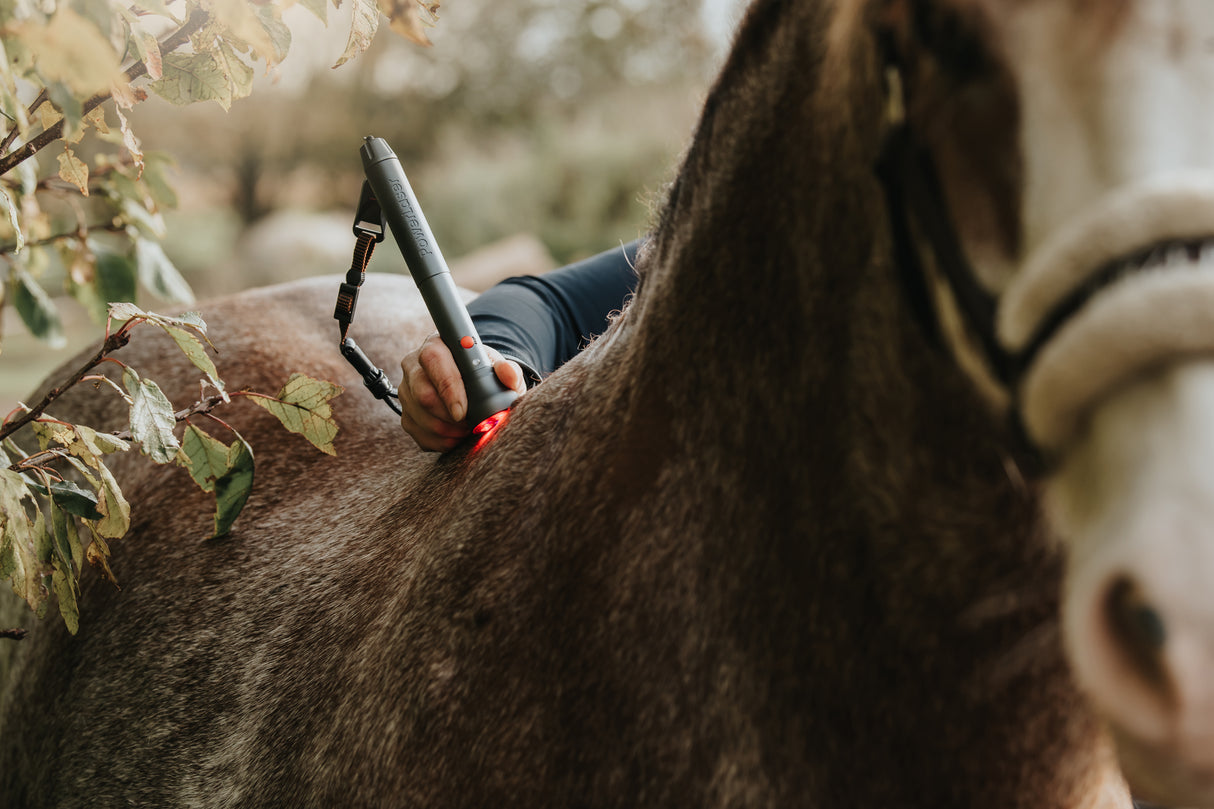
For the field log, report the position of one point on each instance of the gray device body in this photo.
(487, 395)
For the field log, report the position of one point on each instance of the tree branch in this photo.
(32, 147)
(201, 407)
(112, 343)
(13, 634)
(105, 227)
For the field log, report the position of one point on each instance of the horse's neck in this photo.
(770, 323)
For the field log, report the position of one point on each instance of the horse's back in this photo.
(189, 606)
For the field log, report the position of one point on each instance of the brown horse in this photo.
(765, 543)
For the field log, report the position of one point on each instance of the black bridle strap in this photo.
(912, 189)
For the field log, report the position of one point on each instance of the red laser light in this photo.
(489, 427)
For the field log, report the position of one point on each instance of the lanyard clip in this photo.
(369, 220)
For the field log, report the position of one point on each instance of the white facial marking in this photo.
(1103, 111)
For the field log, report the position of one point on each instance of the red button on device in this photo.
(467, 342)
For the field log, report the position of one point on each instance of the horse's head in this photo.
(1063, 150)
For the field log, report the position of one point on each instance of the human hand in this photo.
(433, 401)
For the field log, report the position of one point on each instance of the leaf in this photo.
(89, 445)
(96, 119)
(71, 498)
(36, 309)
(233, 486)
(146, 223)
(303, 407)
(132, 144)
(72, 50)
(115, 274)
(110, 502)
(122, 311)
(152, 419)
(69, 103)
(242, 23)
(51, 432)
(318, 7)
(191, 77)
(74, 170)
(157, 7)
(149, 51)
(404, 17)
(206, 458)
(193, 349)
(240, 75)
(66, 589)
(19, 540)
(10, 207)
(155, 168)
(364, 22)
(270, 16)
(67, 546)
(98, 555)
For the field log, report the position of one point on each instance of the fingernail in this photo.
(457, 411)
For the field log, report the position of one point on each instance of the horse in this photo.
(887, 488)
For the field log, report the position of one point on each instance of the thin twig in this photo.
(112, 343)
(13, 634)
(12, 133)
(55, 131)
(39, 459)
(105, 227)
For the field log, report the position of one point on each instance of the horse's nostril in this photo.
(1137, 626)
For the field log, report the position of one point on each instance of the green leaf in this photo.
(192, 347)
(155, 166)
(122, 311)
(191, 77)
(73, 51)
(152, 419)
(115, 274)
(69, 103)
(90, 445)
(19, 540)
(67, 547)
(117, 512)
(66, 590)
(159, 275)
(364, 22)
(146, 222)
(278, 32)
(36, 309)
(148, 49)
(303, 407)
(10, 207)
(71, 498)
(233, 486)
(240, 75)
(205, 457)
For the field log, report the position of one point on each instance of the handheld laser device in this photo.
(487, 396)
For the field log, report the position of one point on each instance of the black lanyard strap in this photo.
(369, 230)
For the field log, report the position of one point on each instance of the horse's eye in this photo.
(954, 38)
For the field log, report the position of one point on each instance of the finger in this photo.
(444, 376)
(509, 372)
(428, 439)
(420, 396)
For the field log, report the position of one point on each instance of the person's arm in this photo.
(543, 321)
(530, 325)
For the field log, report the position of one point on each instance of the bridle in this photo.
(917, 210)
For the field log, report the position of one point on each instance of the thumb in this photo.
(510, 374)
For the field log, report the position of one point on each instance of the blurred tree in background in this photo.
(558, 118)
(561, 119)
